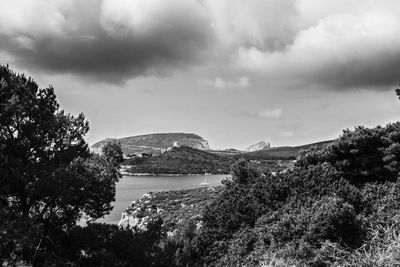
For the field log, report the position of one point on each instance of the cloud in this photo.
(264, 114)
(268, 25)
(342, 51)
(286, 43)
(221, 84)
(105, 40)
(116, 40)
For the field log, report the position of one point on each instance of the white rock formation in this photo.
(258, 146)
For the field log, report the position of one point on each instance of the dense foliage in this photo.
(335, 196)
(174, 206)
(338, 201)
(108, 245)
(363, 155)
(183, 160)
(188, 160)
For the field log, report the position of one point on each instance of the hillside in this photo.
(184, 160)
(174, 207)
(154, 143)
(277, 153)
(188, 160)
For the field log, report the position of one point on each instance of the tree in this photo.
(113, 153)
(47, 173)
(398, 92)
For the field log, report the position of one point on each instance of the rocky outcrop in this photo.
(154, 143)
(138, 215)
(258, 146)
(173, 207)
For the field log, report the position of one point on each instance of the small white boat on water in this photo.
(205, 183)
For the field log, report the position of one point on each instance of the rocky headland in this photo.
(173, 207)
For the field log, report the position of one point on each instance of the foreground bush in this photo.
(327, 202)
(363, 155)
(108, 245)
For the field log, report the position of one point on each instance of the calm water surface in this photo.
(130, 188)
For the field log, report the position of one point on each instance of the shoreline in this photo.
(171, 174)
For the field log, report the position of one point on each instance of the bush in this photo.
(334, 220)
(108, 245)
(363, 155)
(245, 198)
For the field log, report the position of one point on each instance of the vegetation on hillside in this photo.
(183, 160)
(173, 207)
(338, 206)
(154, 143)
(187, 160)
(279, 153)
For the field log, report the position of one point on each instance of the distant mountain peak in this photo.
(258, 146)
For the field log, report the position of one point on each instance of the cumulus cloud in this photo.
(107, 40)
(335, 45)
(266, 24)
(342, 51)
(115, 40)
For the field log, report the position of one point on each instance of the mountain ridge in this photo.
(155, 143)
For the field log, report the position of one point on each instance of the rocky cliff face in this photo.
(258, 146)
(155, 143)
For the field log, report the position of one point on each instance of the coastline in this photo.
(170, 174)
(130, 188)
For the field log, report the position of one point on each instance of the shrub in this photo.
(363, 155)
(108, 245)
(334, 220)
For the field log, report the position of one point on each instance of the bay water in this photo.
(131, 188)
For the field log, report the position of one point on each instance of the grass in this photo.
(381, 250)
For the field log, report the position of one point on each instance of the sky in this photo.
(289, 72)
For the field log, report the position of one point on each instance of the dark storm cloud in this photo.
(341, 52)
(117, 40)
(89, 40)
(377, 72)
(106, 58)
